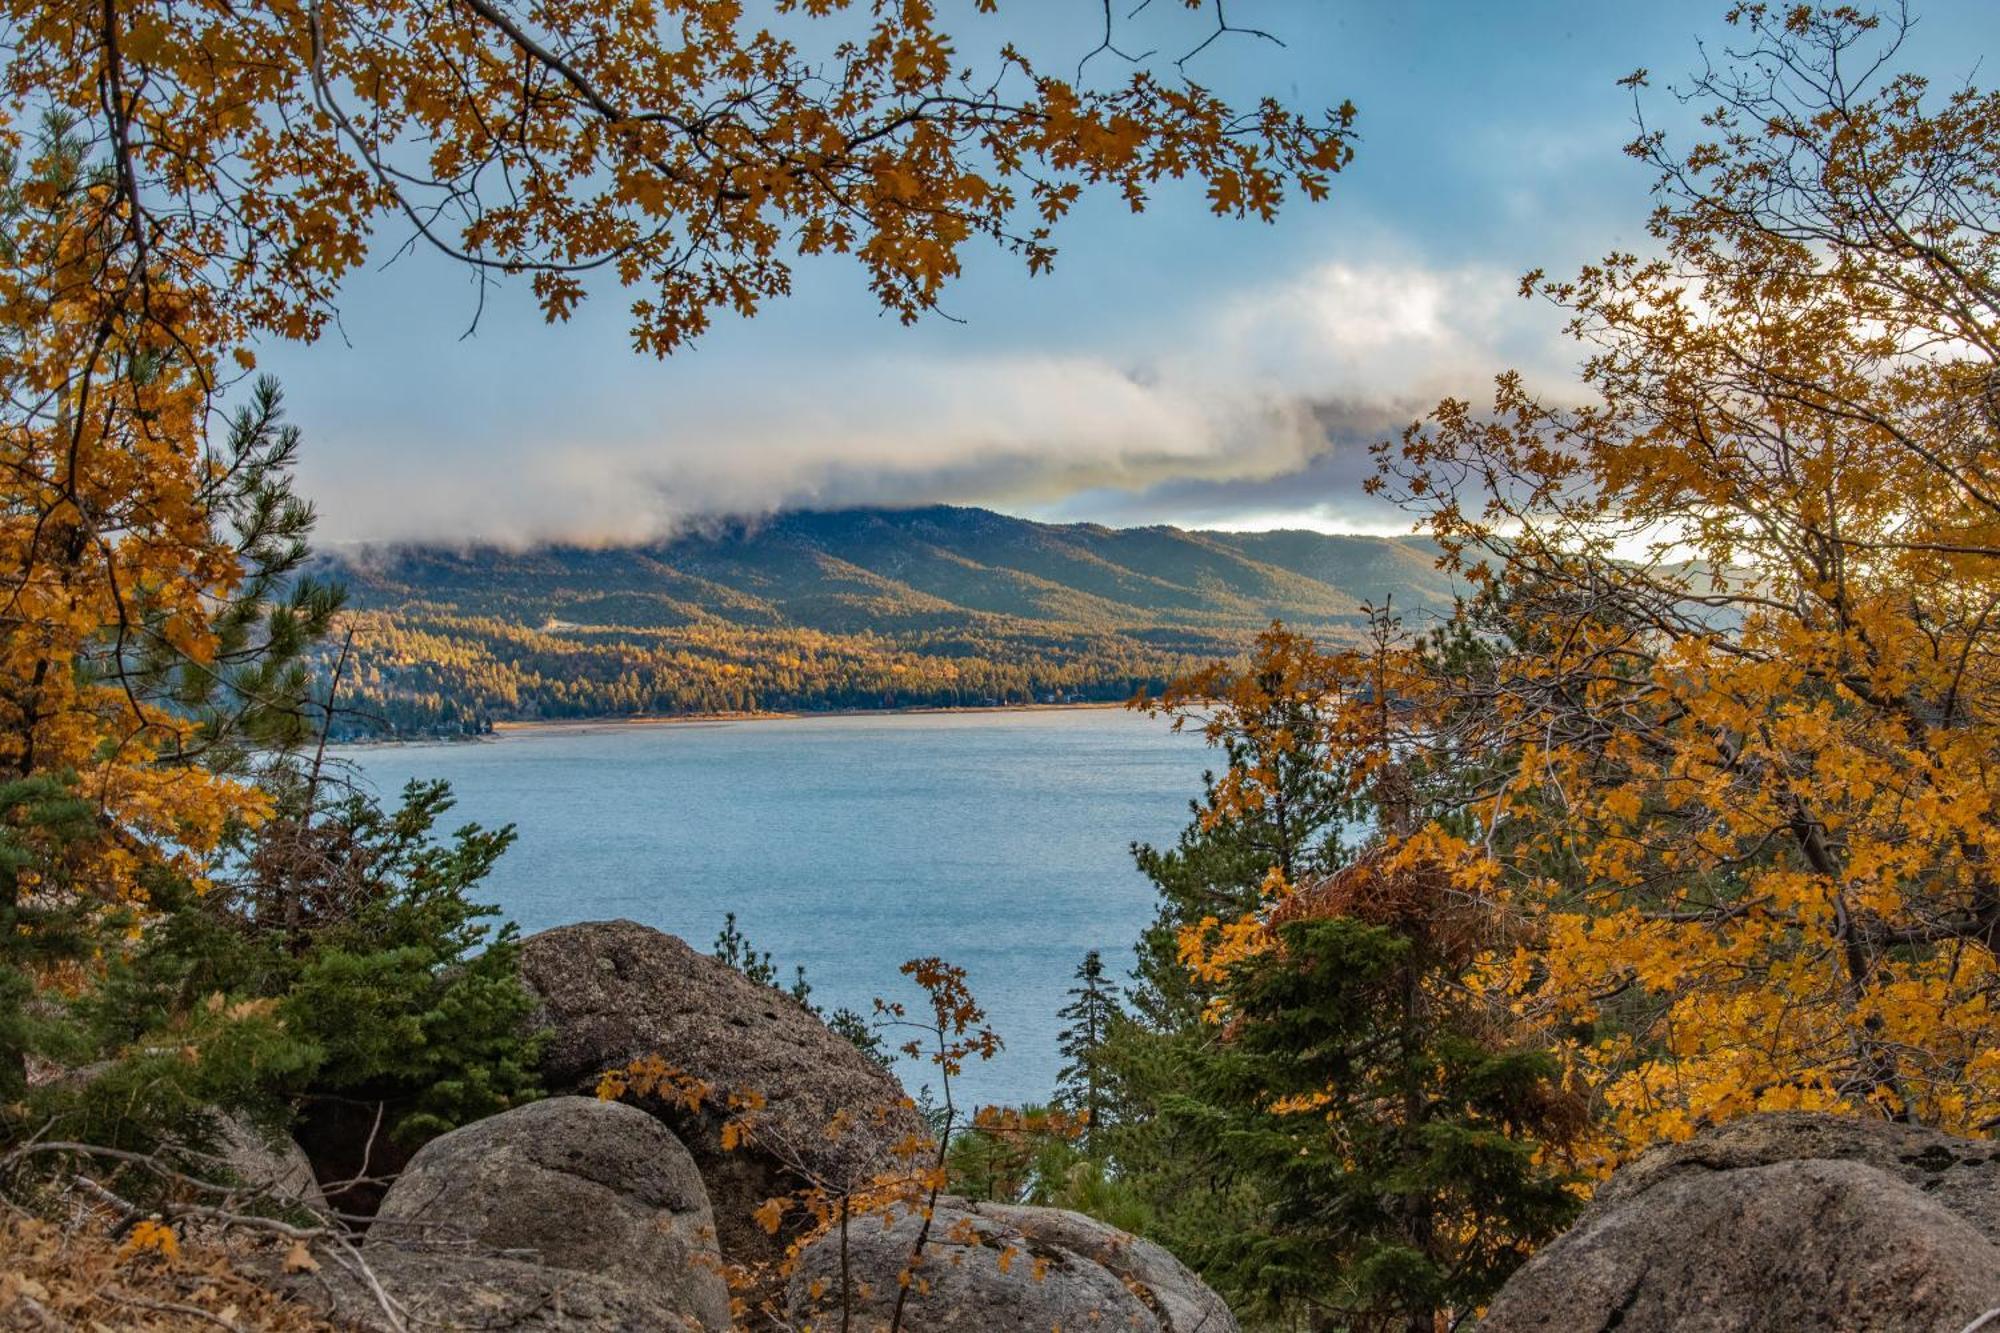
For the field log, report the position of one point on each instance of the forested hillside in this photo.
(862, 608)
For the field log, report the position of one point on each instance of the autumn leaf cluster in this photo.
(676, 147)
(1712, 739)
(181, 183)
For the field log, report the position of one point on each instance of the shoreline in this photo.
(717, 719)
(581, 725)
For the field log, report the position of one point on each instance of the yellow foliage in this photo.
(151, 1238)
(682, 151)
(1742, 609)
(771, 1213)
(109, 529)
(1717, 756)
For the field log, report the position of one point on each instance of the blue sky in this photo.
(1175, 368)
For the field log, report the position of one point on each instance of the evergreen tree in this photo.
(44, 922)
(355, 930)
(733, 946)
(854, 1027)
(1091, 1013)
(1279, 805)
(1214, 868)
(1397, 1141)
(407, 986)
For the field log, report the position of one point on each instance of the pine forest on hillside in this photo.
(934, 607)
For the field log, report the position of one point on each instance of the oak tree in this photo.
(1749, 593)
(182, 179)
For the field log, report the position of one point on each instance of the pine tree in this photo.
(43, 923)
(355, 929)
(1280, 804)
(1092, 1013)
(1406, 1151)
(733, 947)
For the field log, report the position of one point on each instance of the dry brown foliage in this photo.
(1409, 893)
(82, 1276)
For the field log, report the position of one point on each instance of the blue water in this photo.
(849, 844)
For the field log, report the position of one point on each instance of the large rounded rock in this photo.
(433, 1288)
(997, 1268)
(616, 991)
(1961, 1174)
(1777, 1223)
(572, 1183)
(1181, 1301)
(272, 1165)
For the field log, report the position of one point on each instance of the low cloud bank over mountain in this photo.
(1256, 411)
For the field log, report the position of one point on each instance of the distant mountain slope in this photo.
(804, 568)
(862, 607)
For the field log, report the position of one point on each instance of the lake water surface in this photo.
(849, 844)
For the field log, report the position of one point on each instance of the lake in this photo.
(999, 841)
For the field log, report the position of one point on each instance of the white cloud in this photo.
(1258, 386)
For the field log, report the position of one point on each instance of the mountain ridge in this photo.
(933, 604)
(1286, 568)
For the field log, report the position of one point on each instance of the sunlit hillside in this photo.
(867, 608)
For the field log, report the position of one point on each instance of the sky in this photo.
(1175, 368)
